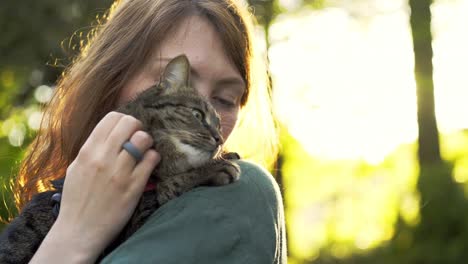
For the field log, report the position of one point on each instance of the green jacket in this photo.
(238, 223)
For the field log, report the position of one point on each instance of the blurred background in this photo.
(372, 102)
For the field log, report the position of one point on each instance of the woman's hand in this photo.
(102, 188)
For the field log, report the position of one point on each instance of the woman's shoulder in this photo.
(254, 198)
(242, 222)
(256, 186)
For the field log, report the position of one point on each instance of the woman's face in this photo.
(212, 73)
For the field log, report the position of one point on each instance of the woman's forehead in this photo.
(197, 38)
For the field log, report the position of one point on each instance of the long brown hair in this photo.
(90, 87)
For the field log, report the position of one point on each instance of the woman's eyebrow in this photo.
(233, 83)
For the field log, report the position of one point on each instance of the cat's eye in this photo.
(197, 114)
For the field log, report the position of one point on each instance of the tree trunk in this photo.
(428, 140)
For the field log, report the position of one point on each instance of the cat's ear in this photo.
(177, 73)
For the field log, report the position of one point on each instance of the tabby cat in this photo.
(186, 132)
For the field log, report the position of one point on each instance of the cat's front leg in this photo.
(221, 172)
(146, 206)
(214, 173)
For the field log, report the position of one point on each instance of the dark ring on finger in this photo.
(133, 151)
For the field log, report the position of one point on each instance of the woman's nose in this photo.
(202, 87)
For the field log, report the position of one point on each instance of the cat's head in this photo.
(191, 121)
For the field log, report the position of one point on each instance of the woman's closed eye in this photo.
(223, 102)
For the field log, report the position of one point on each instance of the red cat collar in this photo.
(150, 186)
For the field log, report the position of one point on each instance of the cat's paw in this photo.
(230, 156)
(227, 173)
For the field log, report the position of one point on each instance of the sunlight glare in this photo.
(43, 93)
(34, 120)
(17, 134)
(345, 91)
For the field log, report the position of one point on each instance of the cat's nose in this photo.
(216, 136)
(218, 139)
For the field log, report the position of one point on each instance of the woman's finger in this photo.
(122, 132)
(103, 129)
(142, 141)
(143, 170)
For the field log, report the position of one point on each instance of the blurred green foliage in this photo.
(354, 212)
(38, 40)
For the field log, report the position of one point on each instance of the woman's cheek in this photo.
(228, 122)
(135, 86)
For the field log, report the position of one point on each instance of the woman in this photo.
(82, 138)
